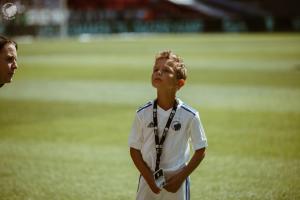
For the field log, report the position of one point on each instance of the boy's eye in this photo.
(166, 70)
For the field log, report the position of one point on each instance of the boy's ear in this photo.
(181, 82)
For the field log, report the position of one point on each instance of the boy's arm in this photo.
(144, 169)
(175, 182)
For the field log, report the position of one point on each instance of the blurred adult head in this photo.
(8, 59)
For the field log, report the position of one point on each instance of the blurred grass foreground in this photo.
(65, 119)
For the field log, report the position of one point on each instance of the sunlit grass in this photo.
(65, 119)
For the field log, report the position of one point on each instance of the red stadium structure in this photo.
(74, 17)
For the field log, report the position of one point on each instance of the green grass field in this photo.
(65, 119)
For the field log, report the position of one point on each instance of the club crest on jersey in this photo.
(150, 125)
(176, 125)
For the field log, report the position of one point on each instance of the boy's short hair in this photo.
(175, 62)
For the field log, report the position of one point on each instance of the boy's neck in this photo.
(166, 100)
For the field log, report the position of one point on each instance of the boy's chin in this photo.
(155, 85)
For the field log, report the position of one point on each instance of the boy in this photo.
(8, 60)
(160, 136)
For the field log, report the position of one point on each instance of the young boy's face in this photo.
(164, 76)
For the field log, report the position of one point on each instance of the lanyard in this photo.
(159, 143)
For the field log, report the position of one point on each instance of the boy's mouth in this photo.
(157, 79)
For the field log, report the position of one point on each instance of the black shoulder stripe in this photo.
(189, 110)
(143, 107)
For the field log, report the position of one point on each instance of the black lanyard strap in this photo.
(159, 143)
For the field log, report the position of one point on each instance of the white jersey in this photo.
(185, 129)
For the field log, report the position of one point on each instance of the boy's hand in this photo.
(154, 188)
(174, 183)
(144, 169)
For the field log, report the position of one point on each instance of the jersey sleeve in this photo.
(136, 137)
(198, 138)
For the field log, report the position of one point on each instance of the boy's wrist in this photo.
(184, 173)
(150, 181)
(153, 186)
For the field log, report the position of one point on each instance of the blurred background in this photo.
(84, 68)
(52, 18)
